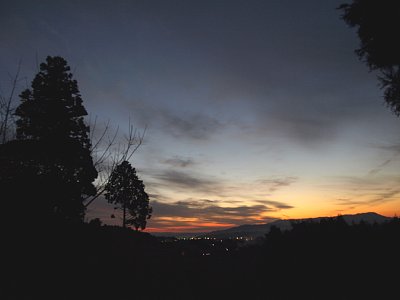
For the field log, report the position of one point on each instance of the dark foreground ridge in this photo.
(325, 259)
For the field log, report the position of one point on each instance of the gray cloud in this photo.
(179, 162)
(276, 204)
(211, 211)
(195, 126)
(188, 180)
(378, 198)
(385, 196)
(306, 130)
(277, 183)
(395, 152)
(367, 190)
(355, 183)
(347, 201)
(394, 148)
(154, 196)
(379, 168)
(185, 180)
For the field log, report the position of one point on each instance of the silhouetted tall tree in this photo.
(378, 24)
(125, 190)
(49, 168)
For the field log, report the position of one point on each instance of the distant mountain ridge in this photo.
(253, 231)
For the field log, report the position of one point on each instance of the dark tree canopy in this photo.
(125, 190)
(378, 27)
(50, 164)
(53, 109)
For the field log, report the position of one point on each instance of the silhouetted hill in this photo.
(254, 231)
(89, 261)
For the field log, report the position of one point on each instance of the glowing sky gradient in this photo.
(255, 110)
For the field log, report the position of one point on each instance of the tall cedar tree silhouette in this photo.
(125, 190)
(378, 25)
(48, 169)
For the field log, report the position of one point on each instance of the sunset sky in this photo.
(255, 110)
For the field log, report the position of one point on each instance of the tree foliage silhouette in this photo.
(125, 190)
(378, 24)
(48, 168)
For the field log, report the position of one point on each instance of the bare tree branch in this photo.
(108, 152)
(6, 108)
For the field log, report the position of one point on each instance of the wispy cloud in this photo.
(367, 190)
(347, 202)
(180, 162)
(385, 196)
(276, 204)
(277, 183)
(205, 211)
(307, 130)
(192, 126)
(394, 149)
(379, 168)
(361, 183)
(185, 180)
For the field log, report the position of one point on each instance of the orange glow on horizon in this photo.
(196, 227)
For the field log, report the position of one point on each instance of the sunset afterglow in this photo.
(254, 110)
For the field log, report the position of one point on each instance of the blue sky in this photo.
(254, 110)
